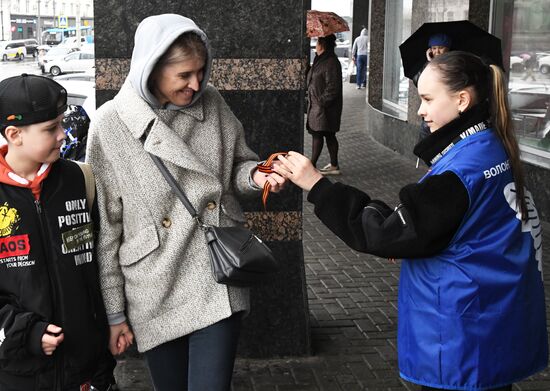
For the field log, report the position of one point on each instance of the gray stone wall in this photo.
(377, 12)
(259, 53)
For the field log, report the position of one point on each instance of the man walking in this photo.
(359, 56)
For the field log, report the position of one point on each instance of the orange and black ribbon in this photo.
(267, 168)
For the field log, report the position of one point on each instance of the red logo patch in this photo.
(13, 246)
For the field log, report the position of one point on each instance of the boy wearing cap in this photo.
(53, 327)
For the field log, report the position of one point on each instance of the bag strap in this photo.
(89, 181)
(175, 186)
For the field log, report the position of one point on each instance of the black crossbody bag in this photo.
(238, 257)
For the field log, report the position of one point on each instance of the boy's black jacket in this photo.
(42, 283)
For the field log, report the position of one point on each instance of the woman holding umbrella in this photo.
(324, 88)
(471, 298)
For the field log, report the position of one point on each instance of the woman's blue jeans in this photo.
(200, 361)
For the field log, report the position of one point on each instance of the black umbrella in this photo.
(465, 36)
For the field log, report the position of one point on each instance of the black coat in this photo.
(324, 88)
(43, 280)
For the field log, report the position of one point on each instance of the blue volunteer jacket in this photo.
(472, 317)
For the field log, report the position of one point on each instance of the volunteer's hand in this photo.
(121, 338)
(299, 170)
(51, 339)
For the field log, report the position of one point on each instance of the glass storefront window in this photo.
(395, 85)
(524, 26)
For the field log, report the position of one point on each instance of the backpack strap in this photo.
(89, 180)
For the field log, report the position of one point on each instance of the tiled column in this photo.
(376, 52)
(259, 55)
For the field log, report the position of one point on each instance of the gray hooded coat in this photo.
(153, 259)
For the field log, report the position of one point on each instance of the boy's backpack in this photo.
(90, 183)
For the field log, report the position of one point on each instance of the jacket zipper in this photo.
(45, 232)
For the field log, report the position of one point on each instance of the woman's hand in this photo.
(277, 182)
(121, 338)
(51, 339)
(298, 169)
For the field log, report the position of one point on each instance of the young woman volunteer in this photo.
(471, 299)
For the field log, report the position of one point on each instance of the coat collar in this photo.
(436, 144)
(128, 103)
(161, 141)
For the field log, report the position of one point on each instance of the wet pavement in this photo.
(352, 296)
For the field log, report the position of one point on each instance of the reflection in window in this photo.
(525, 30)
(398, 28)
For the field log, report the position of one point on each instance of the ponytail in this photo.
(460, 70)
(502, 120)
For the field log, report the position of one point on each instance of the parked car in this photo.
(12, 50)
(74, 62)
(528, 97)
(516, 64)
(544, 64)
(53, 54)
(81, 76)
(72, 41)
(31, 46)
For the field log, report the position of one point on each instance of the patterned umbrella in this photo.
(321, 24)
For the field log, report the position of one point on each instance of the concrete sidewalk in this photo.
(352, 296)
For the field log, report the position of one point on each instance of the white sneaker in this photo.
(330, 170)
(358, 87)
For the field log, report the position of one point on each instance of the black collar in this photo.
(321, 57)
(435, 145)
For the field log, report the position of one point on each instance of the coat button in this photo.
(211, 205)
(166, 222)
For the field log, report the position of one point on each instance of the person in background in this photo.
(437, 45)
(471, 304)
(325, 101)
(359, 56)
(53, 327)
(531, 64)
(155, 267)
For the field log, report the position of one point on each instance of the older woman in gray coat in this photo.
(324, 88)
(154, 263)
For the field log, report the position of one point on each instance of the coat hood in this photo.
(153, 37)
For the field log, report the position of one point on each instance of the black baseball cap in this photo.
(30, 99)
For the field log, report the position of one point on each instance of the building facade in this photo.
(524, 29)
(22, 19)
